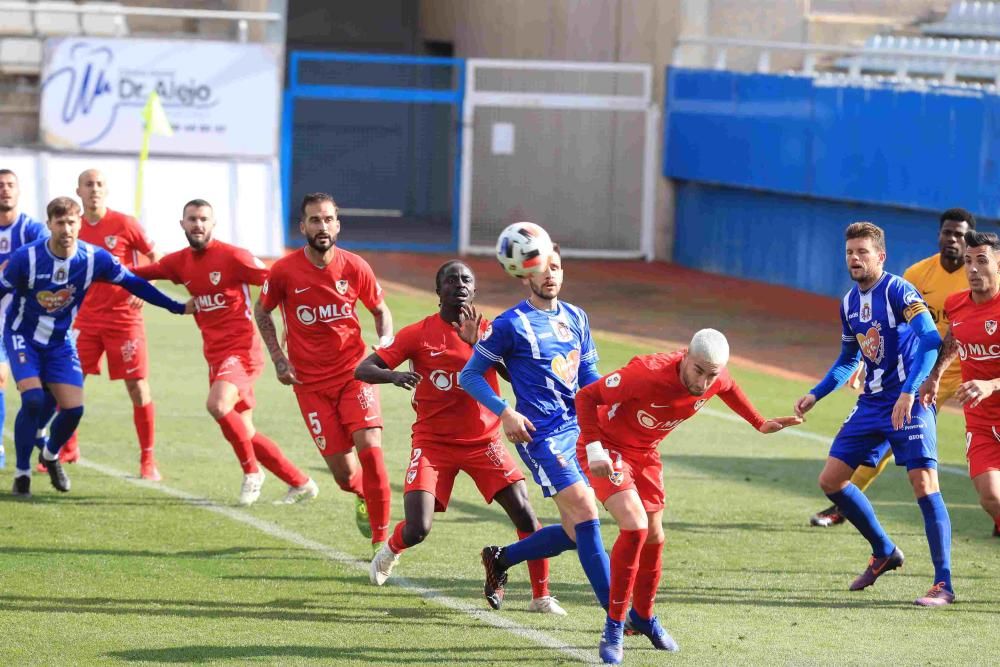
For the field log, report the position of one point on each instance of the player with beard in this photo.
(111, 321)
(623, 418)
(453, 432)
(49, 279)
(886, 321)
(217, 275)
(936, 278)
(16, 229)
(972, 337)
(546, 345)
(317, 289)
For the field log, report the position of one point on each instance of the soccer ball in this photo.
(523, 248)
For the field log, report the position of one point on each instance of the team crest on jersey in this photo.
(700, 402)
(53, 302)
(487, 333)
(4, 245)
(59, 277)
(872, 344)
(562, 331)
(866, 312)
(111, 242)
(320, 442)
(567, 367)
(991, 327)
(215, 277)
(341, 286)
(617, 477)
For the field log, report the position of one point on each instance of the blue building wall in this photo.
(771, 168)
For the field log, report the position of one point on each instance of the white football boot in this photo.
(546, 605)
(297, 494)
(250, 490)
(382, 565)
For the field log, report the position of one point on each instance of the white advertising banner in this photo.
(221, 98)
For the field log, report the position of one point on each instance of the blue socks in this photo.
(855, 506)
(594, 559)
(26, 426)
(63, 427)
(49, 409)
(937, 524)
(543, 543)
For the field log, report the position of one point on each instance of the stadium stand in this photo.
(968, 19)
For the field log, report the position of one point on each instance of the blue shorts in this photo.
(551, 458)
(57, 364)
(867, 433)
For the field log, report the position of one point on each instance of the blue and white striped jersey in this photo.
(48, 290)
(877, 321)
(22, 231)
(543, 352)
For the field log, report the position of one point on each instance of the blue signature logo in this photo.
(83, 88)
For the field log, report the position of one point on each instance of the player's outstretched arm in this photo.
(839, 373)
(142, 289)
(739, 403)
(374, 370)
(269, 334)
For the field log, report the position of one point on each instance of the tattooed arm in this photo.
(268, 331)
(947, 354)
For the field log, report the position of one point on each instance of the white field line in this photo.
(276, 531)
(796, 432)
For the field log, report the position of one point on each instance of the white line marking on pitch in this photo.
(276, 531)
(796, 432)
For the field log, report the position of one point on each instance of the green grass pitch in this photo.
(118, 572)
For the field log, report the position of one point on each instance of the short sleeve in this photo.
(369, 291)
(905, 301)
(625, 383)
(107, 268)
(402, 347)
(249, 269)
(165, 268)
(273, 291)
(34, 231)
(497, 342)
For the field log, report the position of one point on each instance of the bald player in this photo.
(623, 417)
(110, 320)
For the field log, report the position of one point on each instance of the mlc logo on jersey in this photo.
(330, 313)
(55, 301)
(207, 302)
(872, 344)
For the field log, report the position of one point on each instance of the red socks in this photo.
(396, 544)
(624, 563)
(235, 431)
(375, 482)
(270, 456)
(538, 570)
(144, 417)
(647, 579)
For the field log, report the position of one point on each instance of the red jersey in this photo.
(107, 304)
(218, 278)
(321, 322)
(445, 413)
(638, 405)
(975, 328)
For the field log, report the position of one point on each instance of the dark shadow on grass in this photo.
(492, 654)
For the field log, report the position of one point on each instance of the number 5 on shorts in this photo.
(314, 424)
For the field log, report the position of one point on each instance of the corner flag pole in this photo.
(154, 121)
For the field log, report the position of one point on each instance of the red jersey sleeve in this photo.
(733, 396)
(616, 387)
(161, 270)
(370, 292)
(402, 347)
(249, 269)
(137, 236)
(273, 292)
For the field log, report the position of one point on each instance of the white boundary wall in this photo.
(642, 102)
(245, 193)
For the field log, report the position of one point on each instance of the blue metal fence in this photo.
(382, 133)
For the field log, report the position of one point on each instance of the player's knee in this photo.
(72, 415)
(33, 401)
(216, 408)
(831, 484)
(417, 531)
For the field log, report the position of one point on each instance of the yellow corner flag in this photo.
(154, 120)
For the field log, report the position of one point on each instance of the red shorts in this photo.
(433, 468)
(333, 414)
(639, 470)
(125, 347)
(982, 449)
(240, 371)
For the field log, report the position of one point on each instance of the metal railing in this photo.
(242, 19)
(811, 53)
